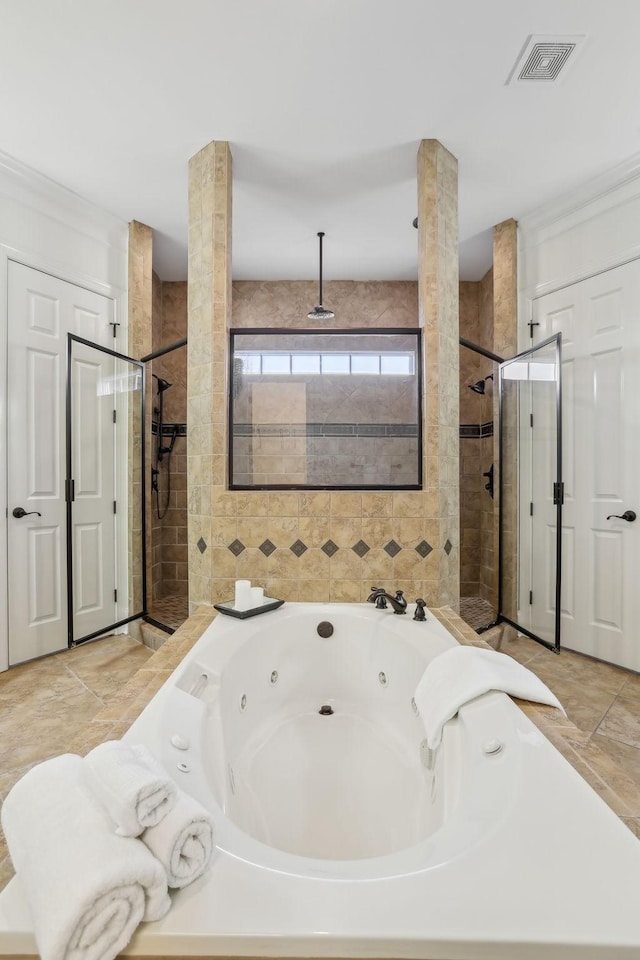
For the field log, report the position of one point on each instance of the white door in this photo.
(600, 322)
(41, 310)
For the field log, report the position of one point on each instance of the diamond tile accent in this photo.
(267, 547)
(298, 548)
(236, 548)
(201, 545)
(424, 549)
(329, 548)
(361, 548)
(448, 547)
(392, 548)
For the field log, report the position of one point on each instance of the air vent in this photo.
(545, 59)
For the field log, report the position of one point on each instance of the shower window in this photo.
(333, 410)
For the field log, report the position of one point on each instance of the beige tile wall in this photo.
(140, 324)
(170, 575)
(438, 286)
(315, 518)
(476, 507)
(209, 314)
(505, 285)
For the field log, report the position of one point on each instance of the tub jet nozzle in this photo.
(325, 710)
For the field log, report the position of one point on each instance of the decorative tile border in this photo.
(169, 429)
(325, 430)
(360, 548)
(476, 431)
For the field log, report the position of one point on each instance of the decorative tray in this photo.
(228, 608)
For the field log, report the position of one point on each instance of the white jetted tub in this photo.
(340, 835)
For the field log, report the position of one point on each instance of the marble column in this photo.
(209, 309)
(140, 330)
(505, 344)
(438, 281)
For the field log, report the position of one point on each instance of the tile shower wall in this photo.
(476, 437)
(314, 545)
(322, 545)
(170, 575)
(139, 343)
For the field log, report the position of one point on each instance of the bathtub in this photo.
(339, 834)
(310, 750)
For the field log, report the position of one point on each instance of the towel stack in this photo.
(97, 842)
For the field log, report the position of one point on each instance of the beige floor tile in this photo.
(6, 872)
(583, 670)
(105, 671)
(631, 688)
(34, 733)
(622, 722)
(627, 757)
(585, 706)
(118, 643)
(521, 649)
(634, 824)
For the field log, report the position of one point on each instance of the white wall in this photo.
(47, 227)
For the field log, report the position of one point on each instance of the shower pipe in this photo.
(477, 349)
(161, 352)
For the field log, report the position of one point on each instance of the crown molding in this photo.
(19, 182)
(576, 200)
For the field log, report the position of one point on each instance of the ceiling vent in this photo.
(543, 59)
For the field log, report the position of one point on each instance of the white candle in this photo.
(242, 599)
(257, 596)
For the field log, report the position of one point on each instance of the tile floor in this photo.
(602, 700)
(44, 704)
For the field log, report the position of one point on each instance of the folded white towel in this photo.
(183, 841)
(133, 786)
(87, 889)
(463, 673)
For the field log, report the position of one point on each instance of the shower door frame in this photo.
(69, 493)
(558, 492)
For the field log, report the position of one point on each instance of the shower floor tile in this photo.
(476, 612)
(172, 611)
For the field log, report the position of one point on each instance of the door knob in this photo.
(628, 515)
(20, 512)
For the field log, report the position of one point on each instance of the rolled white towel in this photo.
(87, 888)
(133, 786)
(463, 673)
(183, 841)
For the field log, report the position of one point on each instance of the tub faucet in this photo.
(380, 597)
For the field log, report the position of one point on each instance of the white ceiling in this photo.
(324, 103)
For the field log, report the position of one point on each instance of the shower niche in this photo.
(331, 410)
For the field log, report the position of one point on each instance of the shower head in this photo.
(478, 387)
(320, 312)
(162, 384)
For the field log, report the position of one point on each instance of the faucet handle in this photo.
(373, 596)
(420, 614)
(400, 598)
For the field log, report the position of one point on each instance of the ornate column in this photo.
(209, 309)
(438, 277)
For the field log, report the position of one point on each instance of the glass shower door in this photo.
(104, 490)
(531, 492)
